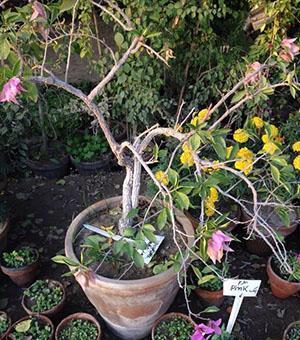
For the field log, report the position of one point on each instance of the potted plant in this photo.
(4, 226)
(284, 282)
(212, 330)
(89, 153)
(32, 327)
(20, 265)
(292, 332)
(46, 297)
(78, 326)
(5, 323)
(173, 325)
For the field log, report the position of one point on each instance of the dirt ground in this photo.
(41, 211)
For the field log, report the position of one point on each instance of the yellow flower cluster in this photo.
(258, 122)
(296, 146)
(200, 118)
(244, 160)
(210, 201)
(186, 157)
(270, 148)
(296, 163)
(162, 177)
(241, 136)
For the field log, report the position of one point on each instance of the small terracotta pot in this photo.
(77, 316)
(289, 327)
(27, 303)
(3, 235)
(23, 276)
(3, 336)
(170, 316)
(280, 287)
(210, 298)
(42, 319)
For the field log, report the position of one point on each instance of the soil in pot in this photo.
(78, 326)
(292, 332)
(20, 265)
(44, 297)
(32, 327)
(284, 284)
(173, 326)
(52, 163)
(5, 323)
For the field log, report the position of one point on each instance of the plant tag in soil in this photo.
(147, 253)
(239, 289)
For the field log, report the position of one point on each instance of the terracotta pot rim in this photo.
(77, 316)
(13, 270)
(170, 316)
(269, 267)
(2, 336)
(44, 319)
(50, 311)
(69, 249)
(291, 325)
(210, 291)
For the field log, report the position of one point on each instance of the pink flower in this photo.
(38, 11)
(289, 49)
(217, 244)
(10, 90)
(200, 331)
(253, 68)
(215, 325)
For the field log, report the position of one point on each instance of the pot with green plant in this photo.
(173, 325)
(284, 281)
(5, 323)
(4, 226)
(292, 332)
(21, 265)
(78, 326)
(46, 297)
(89, 153)
(32, 327)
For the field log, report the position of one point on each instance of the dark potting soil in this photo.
(41, 211)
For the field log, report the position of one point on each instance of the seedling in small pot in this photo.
(293, 260)
(43, 296)
(19, 258)
(293, 333)
(79, 330)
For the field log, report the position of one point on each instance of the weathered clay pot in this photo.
(3, 336)
(290, 326)
(130, 307)
(3, 235)
(77, 316)
(27, 302)
(210, 298)
(23, 276)
(280, 287)
(170, 316)
(42, 319)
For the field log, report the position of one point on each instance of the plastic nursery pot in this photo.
(77, 316)
(23, 276)
(170, 316)
(3, 335)
(92, 167)
(281, 288)
(27, 302)
(41, 319)
(3, 235)
(129, 307)
(211, 298)
(289, 327)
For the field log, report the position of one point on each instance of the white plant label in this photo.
(147, 253)
(239, 289)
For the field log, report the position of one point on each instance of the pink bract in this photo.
(38, 11)
(10, 90)
(217, 244)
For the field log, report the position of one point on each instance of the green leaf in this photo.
(118, 246)
(182, 200)
(275, 173)
(128, 232)
(205, 279)
(65, 260)
(67, 5)
(23, 326)
(220, 150)
(284, 216)
(211, 309)
(150, 236)
(119, 39)
(238, 96)
(133, 212)
(279, 160)
(195, 142)
(162, 219)
(197, 272)
(4, 49)
(173, 176)
(148, 227)
(138, 259)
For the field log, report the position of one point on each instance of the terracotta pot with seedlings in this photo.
(46, 297)
(81, 326)
(5, 323)
(284, 281)
(292, 332)
(21, 265)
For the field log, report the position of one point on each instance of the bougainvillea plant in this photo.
(215, 162)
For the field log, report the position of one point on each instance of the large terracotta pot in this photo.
(130, 307)
(291, 325)
(211, 298)
(281, 288)
(3, 235)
